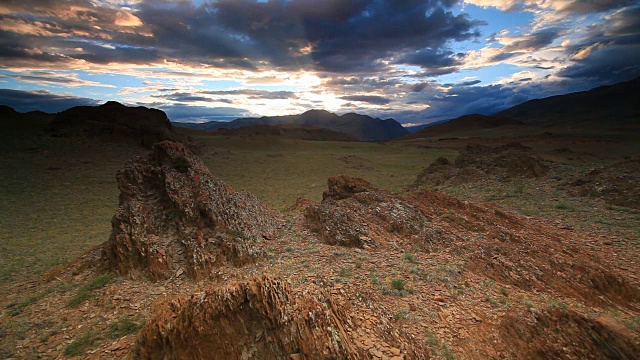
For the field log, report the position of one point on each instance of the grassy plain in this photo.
(58, 195)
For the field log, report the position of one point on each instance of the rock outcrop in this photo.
(477, 162)
(355, 213)
(174, 216)
(502, 247)
(259, 319)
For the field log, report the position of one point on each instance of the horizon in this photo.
(417, 62)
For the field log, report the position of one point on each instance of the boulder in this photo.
(174, 216)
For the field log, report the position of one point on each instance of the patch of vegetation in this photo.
(446, 273)
(553, 302)
(398, 284)
(561, 205)
(17, 308)
(123, 327)
(440, 349)
(79, 346)
(633, 324)
(410, 258)
(85, 292)
(401, 314)
(491, 301)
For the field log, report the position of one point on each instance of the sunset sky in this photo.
(415, 61)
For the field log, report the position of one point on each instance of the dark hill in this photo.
(608, 105)
(301, 132)
(362, 127)
(464, 123)
(114, 121)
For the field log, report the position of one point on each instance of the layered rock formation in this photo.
(355, 213)
(500, 246)
(260, 319)
(174, 216)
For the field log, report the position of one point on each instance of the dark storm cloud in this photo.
(591, 6)
(607, 65)
(610, 52)
(382, 29)
(527, 43)
(371, 99)
(334, 35)
(431, 58)
(43, 100)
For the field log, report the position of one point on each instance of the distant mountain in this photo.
(415, 128)
(362, 127)
(464, 123)
(113, 120)
(610, 105)
(301, 132)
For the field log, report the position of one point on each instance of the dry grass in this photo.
(58, 197)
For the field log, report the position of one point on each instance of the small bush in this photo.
(398, 284)
(410, 258)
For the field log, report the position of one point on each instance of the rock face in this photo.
(260, 319)
(114, 121)
(175, 216)
(476, 162)
(355, 213)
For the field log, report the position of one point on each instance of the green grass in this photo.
(56, 201)
(79, 346)
(84, 293)
(398, 284)
(17, 308)
(123, 327)
(264, 166)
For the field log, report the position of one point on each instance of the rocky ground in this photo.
(194, 269)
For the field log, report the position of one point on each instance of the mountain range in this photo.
(362, 127)
(605, 105)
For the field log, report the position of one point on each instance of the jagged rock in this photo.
(355, 213)
(174, 214)
(260, 319)
(476, 162)
(552, 333)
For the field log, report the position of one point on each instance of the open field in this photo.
(58, 197)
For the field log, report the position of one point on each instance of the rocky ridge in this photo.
(364, 274)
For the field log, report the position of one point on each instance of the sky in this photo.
(414, 61)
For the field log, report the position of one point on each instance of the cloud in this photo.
(370, 99)
(43, 100)
(337, 36)
(606, 65)
(254, 94)
(47, 77)
(561, 6)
